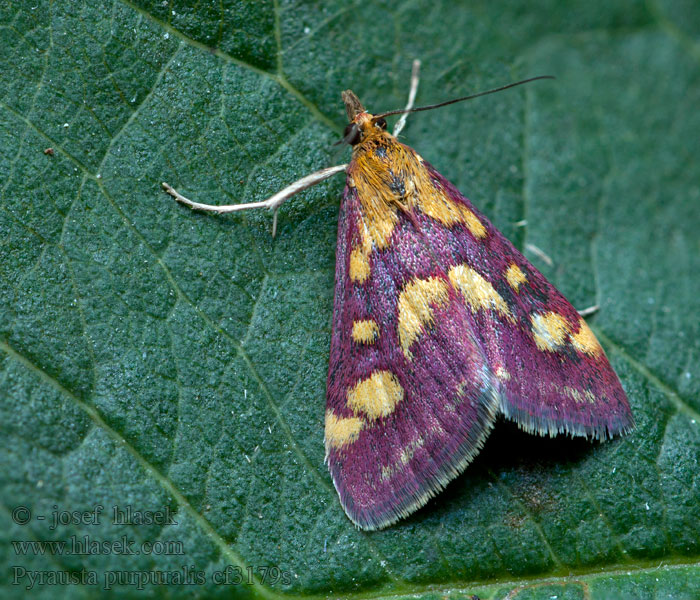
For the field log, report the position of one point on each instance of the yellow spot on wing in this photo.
(577, 396)
(365, 331)
(359, 257)
(549, 330)
(585, 341)
(405, 457)
(376, 396)
(435, 203)
(515, 276)
(477, 292)
(415, 308)
(473, 223)
(359, 265)
(341, 430)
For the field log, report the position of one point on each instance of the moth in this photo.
(440, 325)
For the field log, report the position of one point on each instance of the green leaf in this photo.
(163, 360)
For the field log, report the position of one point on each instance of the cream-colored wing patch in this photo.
(477, 292)
(376, 396)
(585, 341)
(551, 331)
(585, 397)
(435, 203)
(365, 331)
(405, 457)
(421, 193)
(359, 265)
(515, 276)
(415, 307)
(341, 431)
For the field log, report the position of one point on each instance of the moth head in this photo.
(362, 125)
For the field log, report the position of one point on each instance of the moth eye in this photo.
(381, 123)
(352, 134)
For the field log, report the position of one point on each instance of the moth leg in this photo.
(584, 312)
(539, 252)
(272, 203)
(411, 97)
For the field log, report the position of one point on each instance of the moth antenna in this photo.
(415, 71)
(431, 106)
(272, 203)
